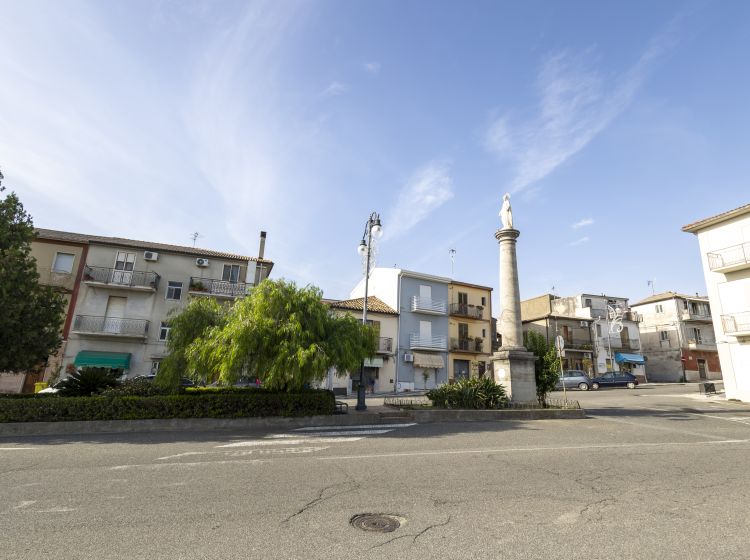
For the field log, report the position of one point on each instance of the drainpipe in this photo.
(398, 334)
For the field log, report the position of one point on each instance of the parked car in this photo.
(574, 379)
(615, 379)
(185, 382)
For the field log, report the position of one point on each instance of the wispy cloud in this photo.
(576, 102)
(372, 68)
(580, 241)
(335, 88)
(429, 187)
(582, 223)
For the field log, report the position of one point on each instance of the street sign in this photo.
(559, 343)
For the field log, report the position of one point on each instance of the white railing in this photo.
(437, 342)
(429, 305)
(736, 323)
(737, 255)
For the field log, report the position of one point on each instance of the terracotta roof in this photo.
(667, 295)
(374, 304)
(718, 218)
(149, 245)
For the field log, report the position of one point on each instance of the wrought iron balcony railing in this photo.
(121, 278)
(466, 344)
(221, 288)
(466, 310)
(730, 259)
(114, 326)
(431, 342)
(428, 305)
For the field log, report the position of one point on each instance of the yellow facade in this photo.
(470, 330)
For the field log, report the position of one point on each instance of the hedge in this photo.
(255, 403)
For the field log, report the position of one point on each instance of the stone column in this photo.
(512, 363)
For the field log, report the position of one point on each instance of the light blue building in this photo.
(422, 342)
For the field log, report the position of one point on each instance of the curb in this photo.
(396, 416)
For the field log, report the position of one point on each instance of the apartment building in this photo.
(421, 301)
(677, 337)
(470, 330)
(613, 340)
(724, 242)
(380, 370)
(129, 289)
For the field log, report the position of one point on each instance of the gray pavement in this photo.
(651, 473)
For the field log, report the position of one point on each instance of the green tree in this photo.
(546, 365)
(284, 335)
(31, 315)
(193, 322)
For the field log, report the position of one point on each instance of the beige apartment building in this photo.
(129, 289)
(470, 330)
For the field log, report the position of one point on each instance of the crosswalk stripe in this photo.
(362, 427)
(284, 441)
(336, 433)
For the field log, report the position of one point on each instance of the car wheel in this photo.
(631, 385)
(583, 386)
(595, 386)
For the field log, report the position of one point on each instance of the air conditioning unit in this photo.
(150, 256)
(585, 324)
(408, 357)
(201, 262)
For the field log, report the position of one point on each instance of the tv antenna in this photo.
(194, 236)
(452, 253)
(652, 283)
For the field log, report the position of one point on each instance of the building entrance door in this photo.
(702, 369)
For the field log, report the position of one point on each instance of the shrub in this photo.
(137, 387)
(87, 382)
(251, 403)
(474, 393)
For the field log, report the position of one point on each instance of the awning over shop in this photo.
(629, 358)
(373, 362)
(112, 360)
(428, 360)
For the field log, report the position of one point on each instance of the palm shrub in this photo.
(87, 382)
(473, 393)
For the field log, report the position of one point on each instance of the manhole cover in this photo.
(377, 522)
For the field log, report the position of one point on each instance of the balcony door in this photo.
(463, 303)
(114, 314)
(463, 336)
(425, 332)
(123, 269)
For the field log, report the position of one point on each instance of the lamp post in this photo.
(373, 229)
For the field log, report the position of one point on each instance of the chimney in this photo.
(262, 248)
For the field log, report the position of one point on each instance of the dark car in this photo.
(615, 379)
(574, 379)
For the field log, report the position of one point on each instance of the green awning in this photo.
(112, 360)
(373, 362)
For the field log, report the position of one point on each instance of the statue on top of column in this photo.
(506, 214)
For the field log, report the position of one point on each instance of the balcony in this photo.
(466, 310)
(695, 316)
(621, 344)
(736, 257)
(56, 279)
(583, 345)
(737, 324)
(116, 327)
(385, 345)
(428, 305)
(121, 279)
(701, 344)
(218, 288)
(473, 345)
(419, 342)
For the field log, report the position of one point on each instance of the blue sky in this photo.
(612, 124)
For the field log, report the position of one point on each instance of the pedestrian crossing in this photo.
(320, 434)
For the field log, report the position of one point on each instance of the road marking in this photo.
(255, 443)
(531, 449)
(736, 419)
(19, 448)
(660, 428)
(55, 510)
(156, 466)
(361, 427)
(281, 451)
(329, 434)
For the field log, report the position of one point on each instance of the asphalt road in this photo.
(650, 474)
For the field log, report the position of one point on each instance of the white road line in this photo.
(256, 443)
(531, 449)
(156, 466)
(19, 448)
(327, 434)
(274, 451)
(735, 419)
(362, 427)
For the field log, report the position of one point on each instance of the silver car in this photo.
(574, 379)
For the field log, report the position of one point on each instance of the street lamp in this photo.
(373, 229)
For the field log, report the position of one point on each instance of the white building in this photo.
(724, 242)
(677, 337)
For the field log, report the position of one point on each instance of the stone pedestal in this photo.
(513, 364)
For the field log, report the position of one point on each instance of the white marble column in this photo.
(510, 295)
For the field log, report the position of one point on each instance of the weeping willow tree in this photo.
(283, 335)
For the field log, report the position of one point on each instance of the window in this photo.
(484, 300)
(587, 303)
(598, 330)
(174, 290)
(155, 367)
(697, 335)
(463, 298)
(684, 304)
(164, 331)
(63, 263)
(664, 335)
(659, 308)
(483, 333)
(231, 273)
